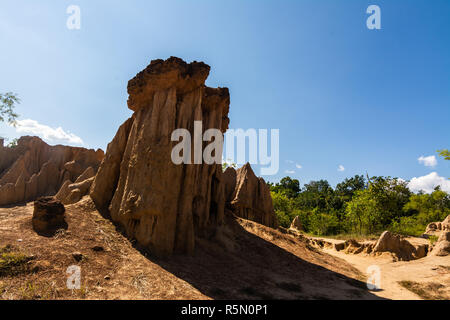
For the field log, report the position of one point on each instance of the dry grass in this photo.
(352, 236)
(427, 291)
(12, 262)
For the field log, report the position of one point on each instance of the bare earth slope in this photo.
(245, 261)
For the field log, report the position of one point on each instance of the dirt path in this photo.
(428, 270)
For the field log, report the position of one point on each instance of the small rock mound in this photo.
(401, 248)
(435, 228)
(48, 216)
(395, 245)
(442, 246)
(296, 224)
(354, 247)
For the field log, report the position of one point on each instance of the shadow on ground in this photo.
(249, 267)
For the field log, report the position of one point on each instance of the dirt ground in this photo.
(426, 278)
(244, 261)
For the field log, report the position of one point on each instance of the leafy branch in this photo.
(445, 153)
(8, 102)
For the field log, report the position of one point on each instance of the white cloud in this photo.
(341, 168)
(429, 161)
(299, 166)
(47, 133)
(428, 183)
(289, 161)
(290, 171)
(401, 180)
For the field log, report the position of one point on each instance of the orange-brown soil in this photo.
(244, 261)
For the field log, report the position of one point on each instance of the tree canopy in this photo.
(357, 205)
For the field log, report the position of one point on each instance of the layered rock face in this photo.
(161, 205)
(33, 168)
(249, 196)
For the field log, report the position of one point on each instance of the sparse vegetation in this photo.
(13, 143)
(427, 291)
(140, 282)
(12, 262)
(225, 165)
(433, 239)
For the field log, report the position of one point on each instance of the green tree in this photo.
(363, 213)
(316, 194)
(8, 102)
(391, 195)
(422, 209)
(323, 223)
(290, 187)
(347, 188)
(445, 153)
(283, 208)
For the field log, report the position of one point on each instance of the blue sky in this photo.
(341, 94)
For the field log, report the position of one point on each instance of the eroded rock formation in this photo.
(403, 249)
(162, 205)
(296, 224)
(442, 245)
(399, 248)
(48, 216)
(33, 168)
(73, 192)
(435, 228)
(249, 196)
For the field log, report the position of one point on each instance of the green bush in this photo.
(322, 224)
(408, 226)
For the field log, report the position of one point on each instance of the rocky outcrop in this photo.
(104, 187)
(33, 168)
(435, 228)
(229, 179)
(296, 224)
(162, 205)
(249, 196)
(48, 216)
(401, 248)
(73, 192)
(442, 245)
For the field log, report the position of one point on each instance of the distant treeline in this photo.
(358, 205)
